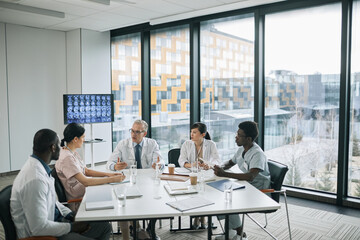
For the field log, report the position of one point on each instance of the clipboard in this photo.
(221, 185)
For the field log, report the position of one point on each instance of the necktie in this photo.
(137, 156)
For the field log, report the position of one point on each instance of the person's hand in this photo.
(219, 171)
(120, 165)
(154, 164)
(118, 177)
(79, 227)
(204, 165)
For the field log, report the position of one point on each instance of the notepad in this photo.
(221, 185)
(189, 203)
(176, 188)
(131, 192)
(98, 197)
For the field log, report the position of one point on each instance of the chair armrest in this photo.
(272, 191)
(75, 200)
(72, 201)
(39, 238)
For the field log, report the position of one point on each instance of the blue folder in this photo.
(221, 185)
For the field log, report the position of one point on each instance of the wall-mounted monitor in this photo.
(88, 108)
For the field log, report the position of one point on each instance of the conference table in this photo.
(246, 200)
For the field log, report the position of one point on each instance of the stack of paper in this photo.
(190, 203)
(98, 197)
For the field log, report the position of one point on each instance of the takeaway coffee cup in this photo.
(193, 178)
(171, 168)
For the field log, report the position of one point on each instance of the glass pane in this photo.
(170, 89)
(125, 84)
(354, 148)
(227, 79)
(302, 68)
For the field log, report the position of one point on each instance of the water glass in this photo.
(133, 174)
(157, 185)
(228, 194)
(122, 196)
(157, 170)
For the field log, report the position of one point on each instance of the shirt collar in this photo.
(141, 143)
(47, 168)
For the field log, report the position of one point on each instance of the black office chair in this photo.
(60, 190)
(173, 156)
(277, 174)
(6, 220)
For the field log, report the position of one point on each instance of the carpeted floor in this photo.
(306, 223)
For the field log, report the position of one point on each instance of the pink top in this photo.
(68, 165)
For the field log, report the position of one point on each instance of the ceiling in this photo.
(89, 14)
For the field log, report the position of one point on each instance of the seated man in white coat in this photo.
(33, 205)
(138, 150)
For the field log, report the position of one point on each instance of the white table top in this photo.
(244, 200)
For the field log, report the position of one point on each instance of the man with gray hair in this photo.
(138, 150)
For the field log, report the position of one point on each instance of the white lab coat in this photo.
(125, 150)
(188, 152)
(32, 203)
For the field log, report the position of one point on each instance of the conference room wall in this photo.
(95, 71)
(36, 78)
(4, 127)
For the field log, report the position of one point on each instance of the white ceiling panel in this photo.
(31, 19)
(196, 4)
(164, 7)
(120, 13)
(136, 11)
(60, 6)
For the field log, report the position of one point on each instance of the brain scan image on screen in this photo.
(88, 108)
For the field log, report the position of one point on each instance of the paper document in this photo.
(182, 170)
(190, 203)
(225, 184)
(176, 188)
(98, 197)
(131, 192)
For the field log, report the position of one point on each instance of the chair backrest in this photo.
(5, 215)
(59, 188)
(173, 156)
(277, 174)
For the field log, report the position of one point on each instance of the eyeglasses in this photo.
(135, 132)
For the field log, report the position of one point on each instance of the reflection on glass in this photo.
(302, 88)
(170, 89)
(227, 79)
(125, 83)
(354, 147)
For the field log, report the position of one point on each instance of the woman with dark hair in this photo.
(200, 149)
(71, 169)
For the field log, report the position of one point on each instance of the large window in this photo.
(170, 87)
(125, 84)
(227, 79)
(302, 88)
(354, 154)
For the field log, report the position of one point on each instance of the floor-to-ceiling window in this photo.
(170, 87)
(125, 83)
(227, 78)
(354, 147)
(302, 88)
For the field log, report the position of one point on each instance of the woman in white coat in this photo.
(202, 151)
(199, 149)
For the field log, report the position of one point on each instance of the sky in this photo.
(305, 41)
